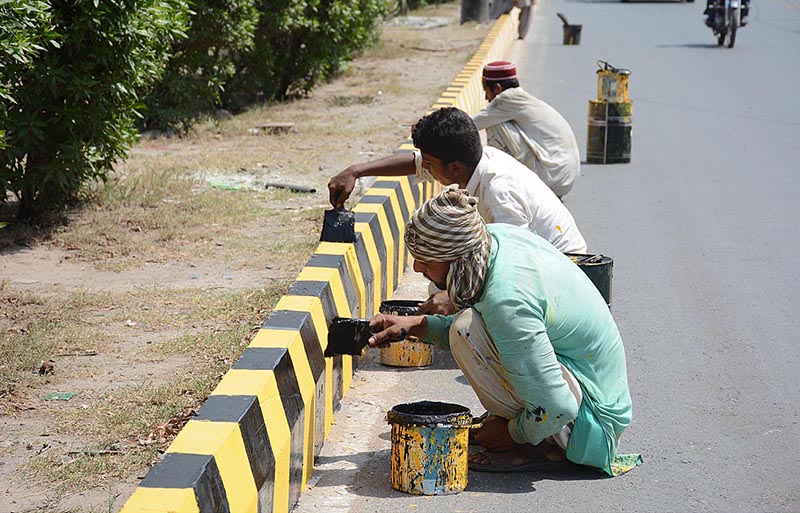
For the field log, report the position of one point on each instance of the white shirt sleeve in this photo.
(493, 114)
(510, 212)
(421, 174)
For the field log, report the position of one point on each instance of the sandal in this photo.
(514, 461)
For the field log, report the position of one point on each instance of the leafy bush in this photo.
(70, 104)
(25, 29)
(299, 43)
(202, 63)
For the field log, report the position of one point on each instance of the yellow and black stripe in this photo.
(251, 447)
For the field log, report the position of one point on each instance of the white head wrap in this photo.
(448, 228)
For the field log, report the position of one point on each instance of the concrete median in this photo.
(252, 445)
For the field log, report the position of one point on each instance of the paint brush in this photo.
(350, 336)
(338, 225)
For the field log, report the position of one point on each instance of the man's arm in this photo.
(387, 328)
(433, 329)
(495, 113)
(341, 186)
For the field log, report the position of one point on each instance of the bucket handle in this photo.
(478, 421)
(592, 259)
(605, 66)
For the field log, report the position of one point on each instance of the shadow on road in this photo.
(372, 478)
(690, 45)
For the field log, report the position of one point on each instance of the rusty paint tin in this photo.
(572, 34)
(609, 132)
(430, 447)
(599, 269)
(410, 352)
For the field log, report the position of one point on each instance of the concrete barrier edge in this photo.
(252, 445)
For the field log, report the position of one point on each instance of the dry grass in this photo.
(176, 203)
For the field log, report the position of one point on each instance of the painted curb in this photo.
(252, 445)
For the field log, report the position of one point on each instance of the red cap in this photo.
(499, 70)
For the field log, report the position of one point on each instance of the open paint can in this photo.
(430, 447)
(410, 352)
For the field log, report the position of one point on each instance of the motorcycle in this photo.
(725, 20)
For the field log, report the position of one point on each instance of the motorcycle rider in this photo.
(709, 12)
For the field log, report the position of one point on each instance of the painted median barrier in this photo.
(251, 447)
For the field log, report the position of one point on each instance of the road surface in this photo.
(703, 229)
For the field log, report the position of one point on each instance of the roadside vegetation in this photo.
(139, 296)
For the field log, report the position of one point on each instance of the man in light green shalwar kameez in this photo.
(532, 335)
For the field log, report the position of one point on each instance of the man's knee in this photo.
(460, 328)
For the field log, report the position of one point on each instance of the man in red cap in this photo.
(528, 129)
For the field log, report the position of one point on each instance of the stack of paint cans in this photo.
(610, 118)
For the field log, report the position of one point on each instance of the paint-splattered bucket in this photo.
(572, 34)
(430, 447)
(410, 352)
(609, 132)
(599, 269)
(612, 83)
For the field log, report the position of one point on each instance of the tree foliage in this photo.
(71, 80)
(299, 43)
(25, 30)
(76, 74)
(203, 63)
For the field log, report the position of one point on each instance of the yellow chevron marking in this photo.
(291, 339)
(262, 384)
(401, 225)
(375, 260)
(334, 279)
(314, 306)
(152, 500)
(223, 440)
(388, 239)
(353, 267)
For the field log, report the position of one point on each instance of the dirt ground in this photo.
(133, 296)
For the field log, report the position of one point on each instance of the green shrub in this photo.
(300, 43)
(25, 30)
(71, 104)
(202, 63)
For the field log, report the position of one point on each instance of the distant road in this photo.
(704, 227)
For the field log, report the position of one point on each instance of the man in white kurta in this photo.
(509, 193)
(449, 151)
(528, 129)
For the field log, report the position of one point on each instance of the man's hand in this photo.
(340, 187)
(394, 328)
(494, 435)
(438, 303)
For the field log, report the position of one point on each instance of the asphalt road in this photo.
(703, 229)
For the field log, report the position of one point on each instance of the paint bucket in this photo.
(610, 129)
(599, 269)
(572, 34)
(410, 352)
(430, 447)
(612, 83)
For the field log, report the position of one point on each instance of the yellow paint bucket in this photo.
(430, 447)
(410, 352)
(612, 83)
